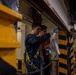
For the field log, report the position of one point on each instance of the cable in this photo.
(39, 69)
(43, 67)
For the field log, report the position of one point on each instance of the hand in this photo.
(54, 31)
(48, 50)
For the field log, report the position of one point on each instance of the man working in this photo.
(45, 45)
(46, 48)
(32, 44)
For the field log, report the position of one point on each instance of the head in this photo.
(36, 27)
(43, 30)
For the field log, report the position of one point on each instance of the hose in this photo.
(39, 69)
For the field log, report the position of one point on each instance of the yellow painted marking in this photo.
(72, 54)
(62, 33)
(63, 42)
(72, 47)
(72, 73)
(71, 40)
(62, 70)
(63, 51)
(64, 61)
(72, 67)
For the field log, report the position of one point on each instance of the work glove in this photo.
(54, 31)
(48, 50)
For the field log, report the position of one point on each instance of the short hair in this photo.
(43, 27)
(36, 24)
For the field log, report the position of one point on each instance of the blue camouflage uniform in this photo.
(32, 44)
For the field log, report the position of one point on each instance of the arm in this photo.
(44, 38)
(37, 40)
(31, 39)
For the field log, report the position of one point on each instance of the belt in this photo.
(29, 62)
